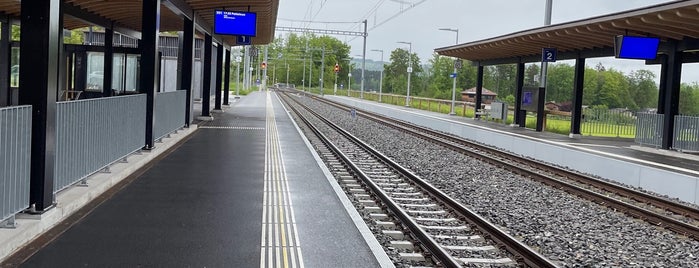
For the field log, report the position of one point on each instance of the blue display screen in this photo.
(235, 23)
(634, 47)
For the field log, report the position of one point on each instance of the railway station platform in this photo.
(243, 190)
(666, 172)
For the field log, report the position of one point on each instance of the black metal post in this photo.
(663, 86)
(186, 59)
(108, 62)
(227, 78)
(42, 26)
(159, 73)
(149, 63)
(5, 57)
(206, 77)
(540, 110)
(672, 93)
(479, 90)
(578, 87)
(219, 70)
(80, 70)
(520, 116)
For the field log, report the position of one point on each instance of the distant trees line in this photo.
(603, 87)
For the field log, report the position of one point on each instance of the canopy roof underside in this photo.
(126, 14)
(678, 20)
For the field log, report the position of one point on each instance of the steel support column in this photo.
(227, 77)
(149, 63)
(540, 110)
(578, 86)
(42, 39)
(5, 61)
(520, 116)
(671, 105)
(662, 87)
(108, 62)
(479, 90)
(219, 71)
(185, 61)
(206, 77)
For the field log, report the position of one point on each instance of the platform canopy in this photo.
(593, 37)
(125, 15)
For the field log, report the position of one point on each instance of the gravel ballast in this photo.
(563, 227)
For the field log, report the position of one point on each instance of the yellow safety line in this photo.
(276, 200)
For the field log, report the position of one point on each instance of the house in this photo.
(552, 106)
(470, 95)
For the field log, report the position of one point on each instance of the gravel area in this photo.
(565, 228)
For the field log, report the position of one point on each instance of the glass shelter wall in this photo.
(125, 73)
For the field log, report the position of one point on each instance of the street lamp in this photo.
(410, 70)
(380, 77)
(453, 88)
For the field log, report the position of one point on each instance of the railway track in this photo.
(440, 231)
(680, 218)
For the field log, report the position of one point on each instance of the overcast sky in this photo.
(475, 20)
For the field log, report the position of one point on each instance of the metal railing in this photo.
(92, 134)
(686, 136)
(169, 112)
(15, 150)
(608, 122)
(649, 129)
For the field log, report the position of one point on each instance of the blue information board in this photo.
(235, 23)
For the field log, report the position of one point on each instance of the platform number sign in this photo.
(243, 40)
(548, 54)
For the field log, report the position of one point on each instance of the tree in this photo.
(643, 89)
(295, 49)
(440, 84)
(501, 79)
(395, 73)
(466, 76)
(531, 74)
(689, 99)
(559, 84)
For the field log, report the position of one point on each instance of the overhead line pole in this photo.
(322, 70)
(361, 92)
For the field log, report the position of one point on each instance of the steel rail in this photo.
(438, 253)
(523, 253)
(509, 161)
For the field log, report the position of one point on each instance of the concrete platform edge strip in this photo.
(565, 145)
(74, 198)
(376, 248)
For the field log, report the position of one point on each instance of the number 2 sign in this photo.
(548, 54)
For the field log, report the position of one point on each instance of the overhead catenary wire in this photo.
(322, 4)
(325, 22)
(403, 10)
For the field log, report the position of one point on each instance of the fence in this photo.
(686, 136)
(92, 134)
(434, 105)
(649, 129)
(15, 150)
(605, 122)
(169, 112)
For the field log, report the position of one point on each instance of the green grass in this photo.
(554, 124)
